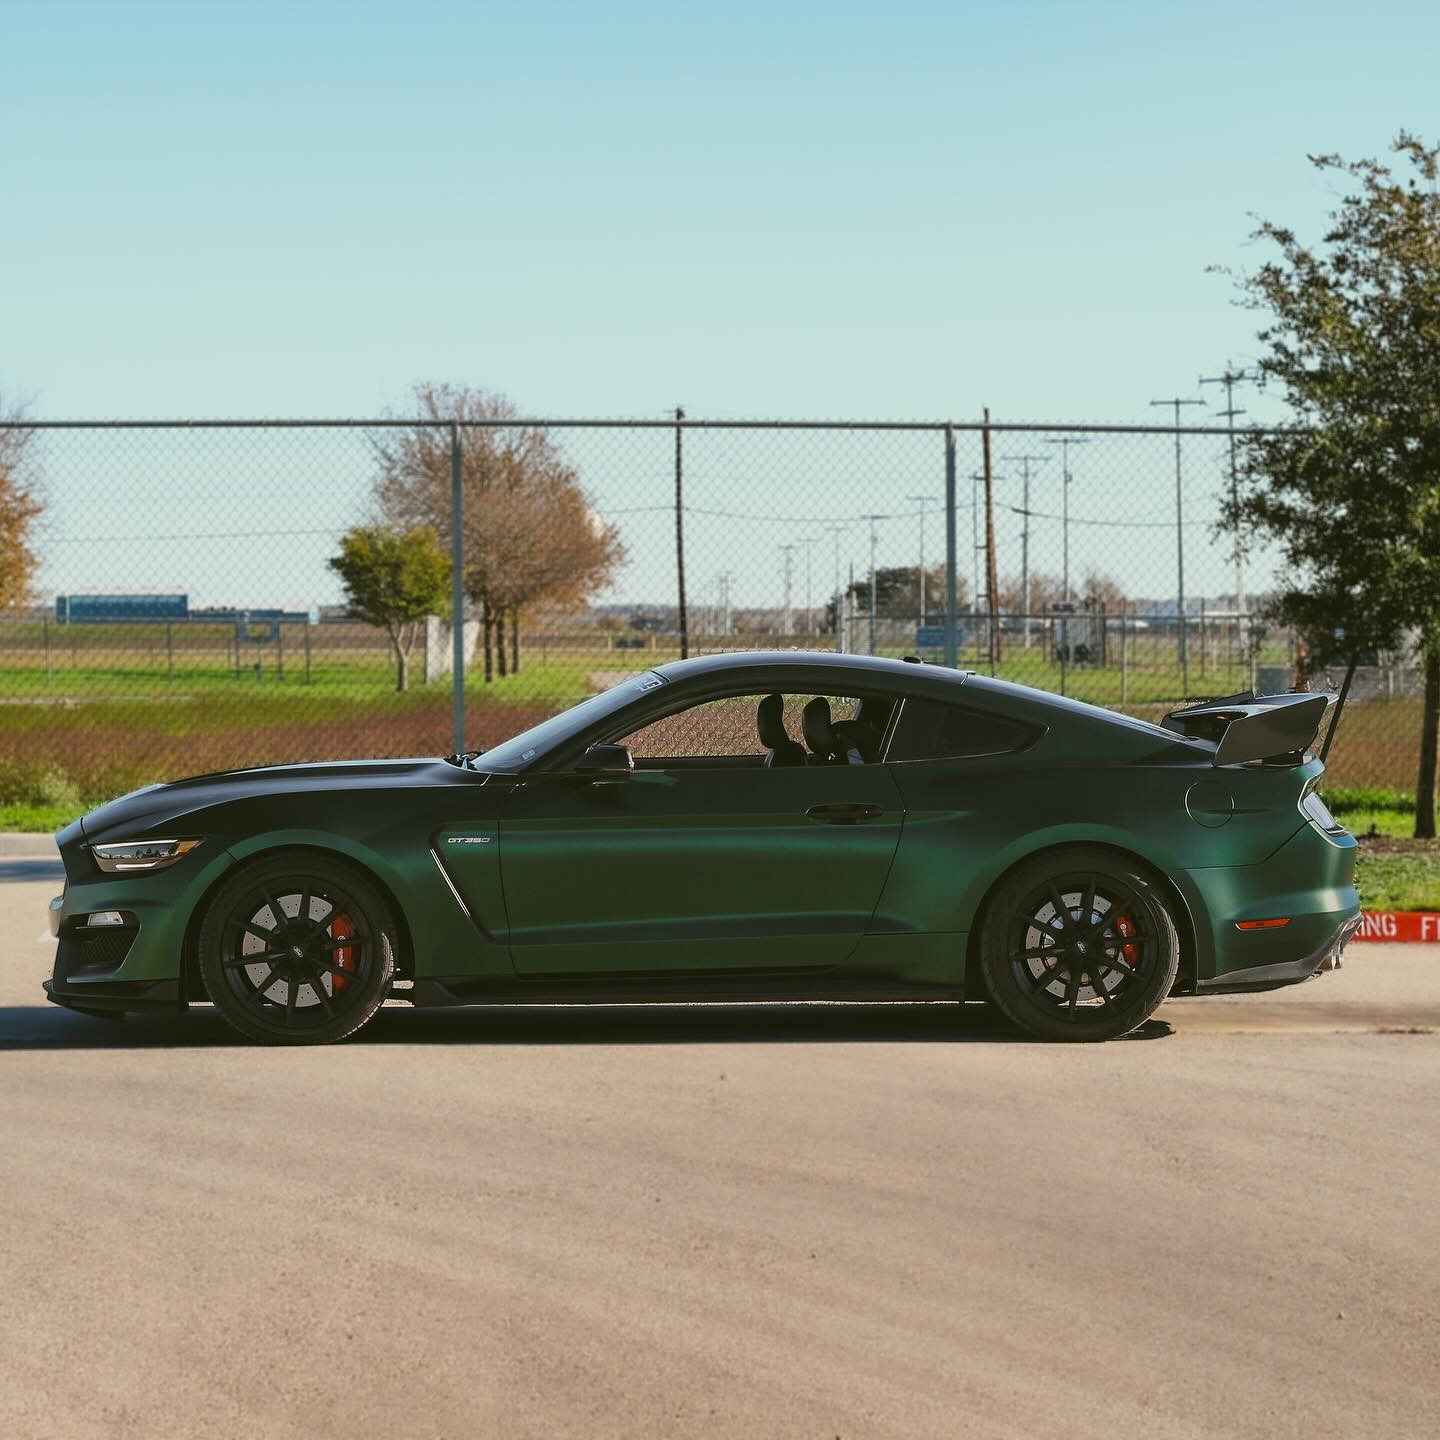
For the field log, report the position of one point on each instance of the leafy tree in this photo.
(1350, 490)
(394, 579)
(20, 507)
(531, 536)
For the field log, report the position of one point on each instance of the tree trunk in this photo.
(515, 641)
(1429, 742)
(500, 659)
(486, 626)
(402, 665)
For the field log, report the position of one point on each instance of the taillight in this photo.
(1316, 810)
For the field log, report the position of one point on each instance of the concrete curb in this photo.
(16, 845)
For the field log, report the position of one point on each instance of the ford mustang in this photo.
(759, 826)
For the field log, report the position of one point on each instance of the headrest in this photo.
(770, 722)
(819, 734)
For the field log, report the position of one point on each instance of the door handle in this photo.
(843, 814)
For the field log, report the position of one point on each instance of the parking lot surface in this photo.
(763, 1221)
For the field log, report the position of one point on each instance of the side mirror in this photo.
(606, 762)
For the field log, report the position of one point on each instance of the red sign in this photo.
(1407, 925)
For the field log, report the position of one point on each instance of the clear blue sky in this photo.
(843, 210)
(787, 209)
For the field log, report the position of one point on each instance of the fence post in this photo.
(307, 649)
(457, 587)
(950, 586)
(49, 670)
(1203, 627)
(992, 577)
(279, 652)
(169, 653)
(680, 532)
(1124, 657)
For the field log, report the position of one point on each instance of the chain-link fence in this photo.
(187, 617)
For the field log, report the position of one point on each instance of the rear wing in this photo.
(1273, 728)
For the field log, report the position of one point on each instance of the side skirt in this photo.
(469, 990)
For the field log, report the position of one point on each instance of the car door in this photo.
(705, 862)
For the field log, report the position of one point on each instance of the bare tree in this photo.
(531, 536)
(20, 507)
(1104, 591)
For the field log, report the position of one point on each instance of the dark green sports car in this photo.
(740, 827)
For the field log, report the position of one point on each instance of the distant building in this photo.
(90, 609)
(100, 609)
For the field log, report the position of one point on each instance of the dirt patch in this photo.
(1397, 845)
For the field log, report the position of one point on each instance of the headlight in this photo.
(140, 854)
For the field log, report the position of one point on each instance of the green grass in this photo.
(35, 819)
(1403, 880)
(1392, 824)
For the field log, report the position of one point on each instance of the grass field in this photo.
(97, 710)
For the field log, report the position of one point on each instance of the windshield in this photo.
(528, 744)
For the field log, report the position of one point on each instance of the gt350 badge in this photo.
(467, 840)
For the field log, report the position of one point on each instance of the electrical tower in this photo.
(1025, 462)
(1177, 402)
(1230, 379)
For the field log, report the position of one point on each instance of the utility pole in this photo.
(788, 551)
(1177, 402)
(977, 590)
(1065, 442)
(808, 542)
(680, 529)
(922, 501)
(722, 605)
(1230, 379)
(1025, 462)
(837, 531)
(457, 588)
(951, 618)
(874, 590)
(992, 575)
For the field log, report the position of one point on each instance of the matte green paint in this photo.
(536, 873)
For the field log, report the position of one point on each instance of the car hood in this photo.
(155, 805)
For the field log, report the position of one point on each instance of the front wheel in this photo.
(297, 950)
(1078, 944)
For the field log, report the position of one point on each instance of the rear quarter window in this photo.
(929, 730)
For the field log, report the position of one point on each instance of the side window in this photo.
(929, 730)
(714, 727)
(727, 728)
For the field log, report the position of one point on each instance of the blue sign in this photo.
(929, 637)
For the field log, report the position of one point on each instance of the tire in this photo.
(319, 987)
(1094, 923)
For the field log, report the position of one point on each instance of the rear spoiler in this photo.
(1274, 728)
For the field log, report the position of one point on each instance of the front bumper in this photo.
(140, 964)
(116, 998)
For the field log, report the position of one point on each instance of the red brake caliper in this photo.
(1130, 951)
(342, 928)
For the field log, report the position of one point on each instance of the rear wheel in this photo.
(297, 950)
(1078, 944)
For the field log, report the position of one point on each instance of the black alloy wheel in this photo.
(1079, 945)
(297, 950)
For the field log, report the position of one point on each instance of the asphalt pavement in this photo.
(753, 1221)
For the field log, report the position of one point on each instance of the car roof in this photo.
(736, 662)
